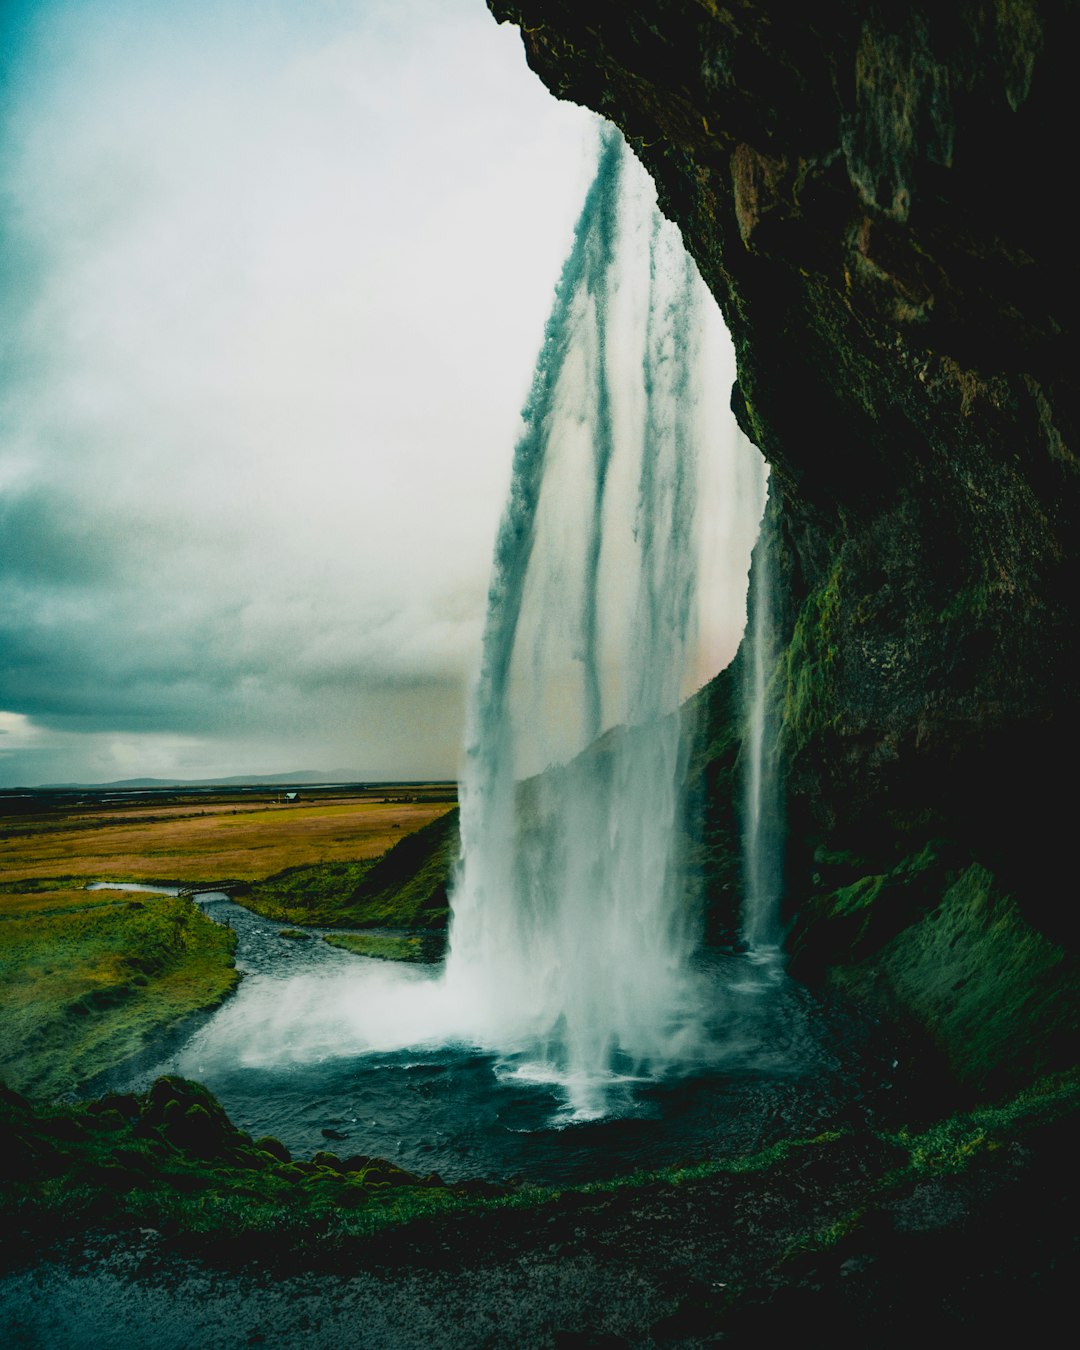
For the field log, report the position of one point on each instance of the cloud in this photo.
(274, 291)
(274, 279)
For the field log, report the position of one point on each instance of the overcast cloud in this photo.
(274, 278)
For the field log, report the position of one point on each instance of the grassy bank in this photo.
(88, 978)
(405, 888)
(388, 946)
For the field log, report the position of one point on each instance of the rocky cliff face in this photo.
(875, 194)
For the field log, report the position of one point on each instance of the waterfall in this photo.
(763, 836)
(570, 932)
(572, 957)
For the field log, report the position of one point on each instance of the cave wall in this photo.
(875, 194)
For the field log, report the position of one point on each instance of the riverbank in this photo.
(89, 979)
(860, 1239)
(405, 887)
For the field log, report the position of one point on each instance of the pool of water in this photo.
(327, 1050)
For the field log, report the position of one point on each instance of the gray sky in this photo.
(274, 278)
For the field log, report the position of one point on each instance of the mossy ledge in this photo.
(942, 942)
(172, 1157)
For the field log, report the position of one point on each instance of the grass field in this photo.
(89, 978)
(205, 841)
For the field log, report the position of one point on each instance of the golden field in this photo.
(89, 978)
(204, 841)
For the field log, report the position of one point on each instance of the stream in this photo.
(328, 1050)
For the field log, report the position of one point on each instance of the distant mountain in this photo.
(236, 780)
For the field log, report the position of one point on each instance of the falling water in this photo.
(763, 843)
(571, 934)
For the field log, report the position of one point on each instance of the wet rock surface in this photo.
(859, 184)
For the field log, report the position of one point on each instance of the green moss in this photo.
(712, 719)
(808, 670)
(853, 920)
(274, 1148)
(851, 899)
(999, 998)
(940, 941)
(947, 1147)
(315, 894)
(825, 1238)
(171, 1156)
(386, 946)
(408, 886)
(138, 1159)
(967, 602)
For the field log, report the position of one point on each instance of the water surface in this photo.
(327, 1050)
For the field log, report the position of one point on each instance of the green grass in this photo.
(171, 1157)
(948, 1147)
(88, 978)
(383, 946)
(405, 888)
(317, 894)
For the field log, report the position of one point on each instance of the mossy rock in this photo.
(298, 1169)
(193, 1129)
(386, 1174)
(190, 1118)
(276, 1149)
(949, 948)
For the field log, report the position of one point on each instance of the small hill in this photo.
(408, 886)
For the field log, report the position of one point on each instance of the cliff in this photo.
(870, 191)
